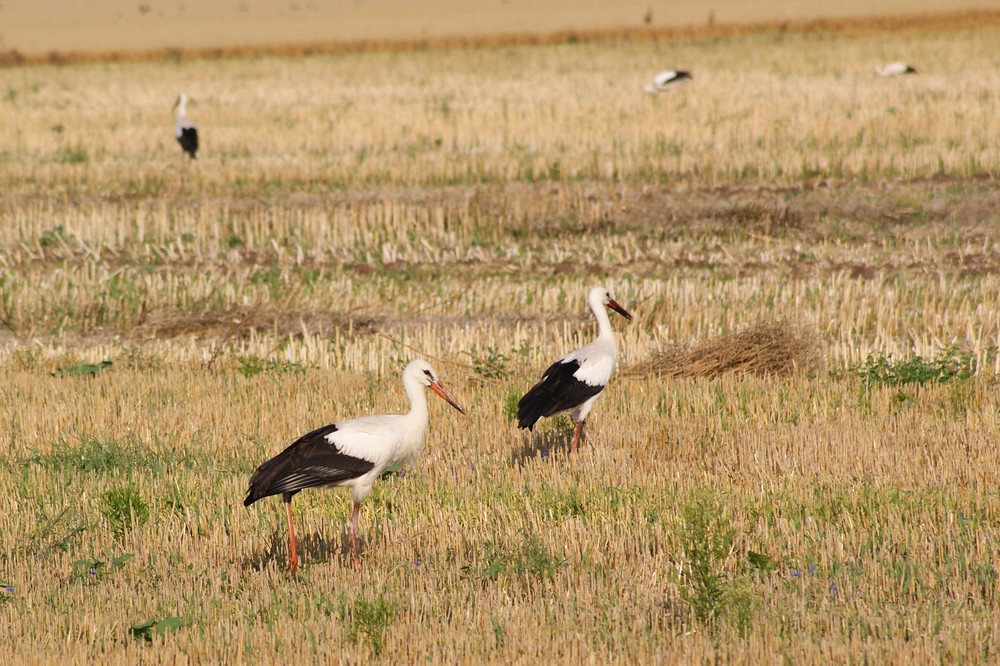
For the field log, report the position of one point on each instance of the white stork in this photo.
(575, 381)
(667, 80)
(895, 69)
(351, 453)
(184, 130)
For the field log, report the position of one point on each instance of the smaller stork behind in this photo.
(668, 79)
(575, 381)
(184, 130)
(895, 69)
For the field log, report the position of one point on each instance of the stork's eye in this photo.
(428, 373)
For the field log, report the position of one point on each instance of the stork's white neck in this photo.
(182, 107)
(604, 330)
(418, 397)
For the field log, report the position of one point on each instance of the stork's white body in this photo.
(668, 79)
(389, 441)
(895, 69)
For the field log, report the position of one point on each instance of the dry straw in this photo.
(769, 347)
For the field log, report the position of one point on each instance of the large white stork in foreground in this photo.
(575, 381)
(351, 453)
(668, 79)
(895, 69)
(184, 130)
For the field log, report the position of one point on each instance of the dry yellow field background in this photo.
(349, 212)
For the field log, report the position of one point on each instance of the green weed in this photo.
(530, 558)
(151, 628)
(761, 562)
(368, 620)
(53, 236)
(562, 425)
(81, 369)
(273, 279)
(498, 631)
(559, 504)
(91, 571)
(510, 405)
(75, 154)
(251, 365)
(124, 509)
(880, 370)
(492, 366)
(711, 592)
(94, 455)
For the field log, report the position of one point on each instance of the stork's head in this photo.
(422, 372)
(181, 101)
(599, 296)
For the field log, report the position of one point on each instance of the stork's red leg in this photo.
(354, 534)
(576, 436)
(293, 562)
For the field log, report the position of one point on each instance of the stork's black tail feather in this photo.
(264, 477)
(558, 391)
(189, 141)
(531, 407)
(311, 461)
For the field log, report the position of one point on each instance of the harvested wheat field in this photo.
(796, 461)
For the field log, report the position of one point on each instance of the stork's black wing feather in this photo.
(558, 391)
(188, 139)
(311, 461)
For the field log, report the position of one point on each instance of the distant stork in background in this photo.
(184, 130)
(895, 69)
(575, 381)
(668, 79)
(351, 453)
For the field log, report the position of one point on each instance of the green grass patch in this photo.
(106, 456)
(491, 364)
(528, 558)
(93, 570)
(251, 366)
(367, 620)
(124, 510)
(82, 369)
(951, 366)
(714, 593)
(152, 628)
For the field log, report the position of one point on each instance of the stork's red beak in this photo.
(613, 304)
(440, 389)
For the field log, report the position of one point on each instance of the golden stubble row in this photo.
(357, 329)
(461, 271)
